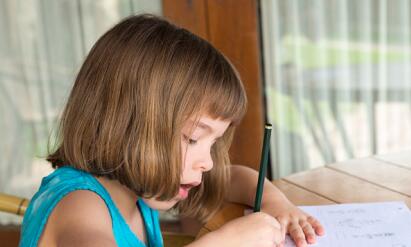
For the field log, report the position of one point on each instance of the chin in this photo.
(160, 205)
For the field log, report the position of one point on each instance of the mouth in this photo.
(185, 188)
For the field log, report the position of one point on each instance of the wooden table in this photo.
(374, 179)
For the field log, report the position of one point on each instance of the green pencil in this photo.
(263, 167)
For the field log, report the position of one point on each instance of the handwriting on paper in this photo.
(385, 224)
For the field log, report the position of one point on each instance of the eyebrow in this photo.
(205, 126)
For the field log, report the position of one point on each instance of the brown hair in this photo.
(138, 85)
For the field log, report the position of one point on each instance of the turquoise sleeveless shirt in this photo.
(67, 179)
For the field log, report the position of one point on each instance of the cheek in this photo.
(183, 152)
(186, 156)
(186, 163)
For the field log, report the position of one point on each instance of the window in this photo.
(42, 45)
(337, 76)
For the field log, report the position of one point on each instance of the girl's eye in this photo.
(192, 142)
(189, 140)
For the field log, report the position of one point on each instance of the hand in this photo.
(254, 230)
(302, 227)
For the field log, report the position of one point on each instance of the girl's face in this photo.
(196, 142)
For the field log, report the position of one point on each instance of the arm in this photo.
(301, 226)
(85, 239)
(81, 218)
(254, 230)
(245, 179)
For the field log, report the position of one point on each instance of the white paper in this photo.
(386, 224)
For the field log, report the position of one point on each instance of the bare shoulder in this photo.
(81, 218)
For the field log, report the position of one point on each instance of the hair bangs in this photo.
(226, 100)
(219, 90)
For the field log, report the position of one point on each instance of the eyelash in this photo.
(192, 141)
(189, 140)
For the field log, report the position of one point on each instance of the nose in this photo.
(206, 162)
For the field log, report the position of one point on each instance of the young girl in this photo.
(147, 127)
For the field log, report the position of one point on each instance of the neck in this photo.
(124, 198)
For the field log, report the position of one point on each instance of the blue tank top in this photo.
(67, 179)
